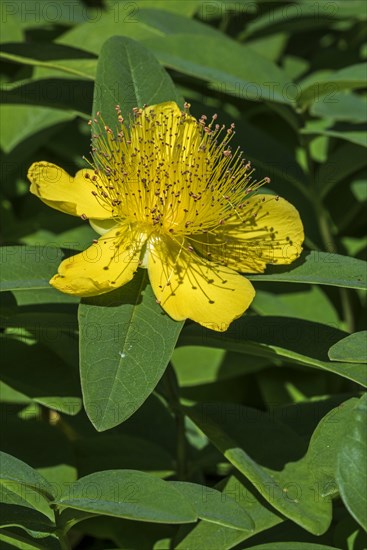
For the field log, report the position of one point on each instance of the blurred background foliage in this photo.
(291, 75)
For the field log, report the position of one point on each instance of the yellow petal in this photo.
(106, 265)
(103, 226)
(186, 286)
(270, 231)
(74, 196)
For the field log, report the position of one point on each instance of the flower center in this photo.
(169, 171)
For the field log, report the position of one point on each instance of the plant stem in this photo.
(60, 532)
(173, 395)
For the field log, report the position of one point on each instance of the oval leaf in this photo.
(351, 473)
(129, 75)
(352, 349)
(128, 494)
(126, 341)
(14, 470)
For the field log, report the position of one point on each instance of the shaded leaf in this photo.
(34, 523)
(351, 471)
(108, 452)
(293, 340)
(59, 59)
(25, 438)
(51, 382)
(15, 538)
(342, 163)
(196, 365)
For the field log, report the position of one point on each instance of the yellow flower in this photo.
(171, 196)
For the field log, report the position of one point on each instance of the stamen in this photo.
(169, 172)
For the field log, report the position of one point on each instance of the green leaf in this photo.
(128, 494)
(351, 349)
(348, 78)
(229, 67)
(23, 486)
(31, 521)
(355, 133)
(299, 16)
(270, 47)
(73, 95)
(359, 189)
(29, 267)
(243, 443)
(40, 13)
(129, 75)
(21, 122)
(212, 535)
(65, 59)
(126, 341)
(311, 411)
(308, 302)
(187, 8)
(351, 471)
(342, 163)
(348, 534)
(48, 317)
(11, 32)
(15, 538)
(13, 469)
(321, 268)
(196, 365)
(341, 106)
(293, 340)
(296, 487)
(292, 546)
(211, 506)
(24, 439)
(145, 22)
(51, 382)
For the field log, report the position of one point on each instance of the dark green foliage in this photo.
(254, 438)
